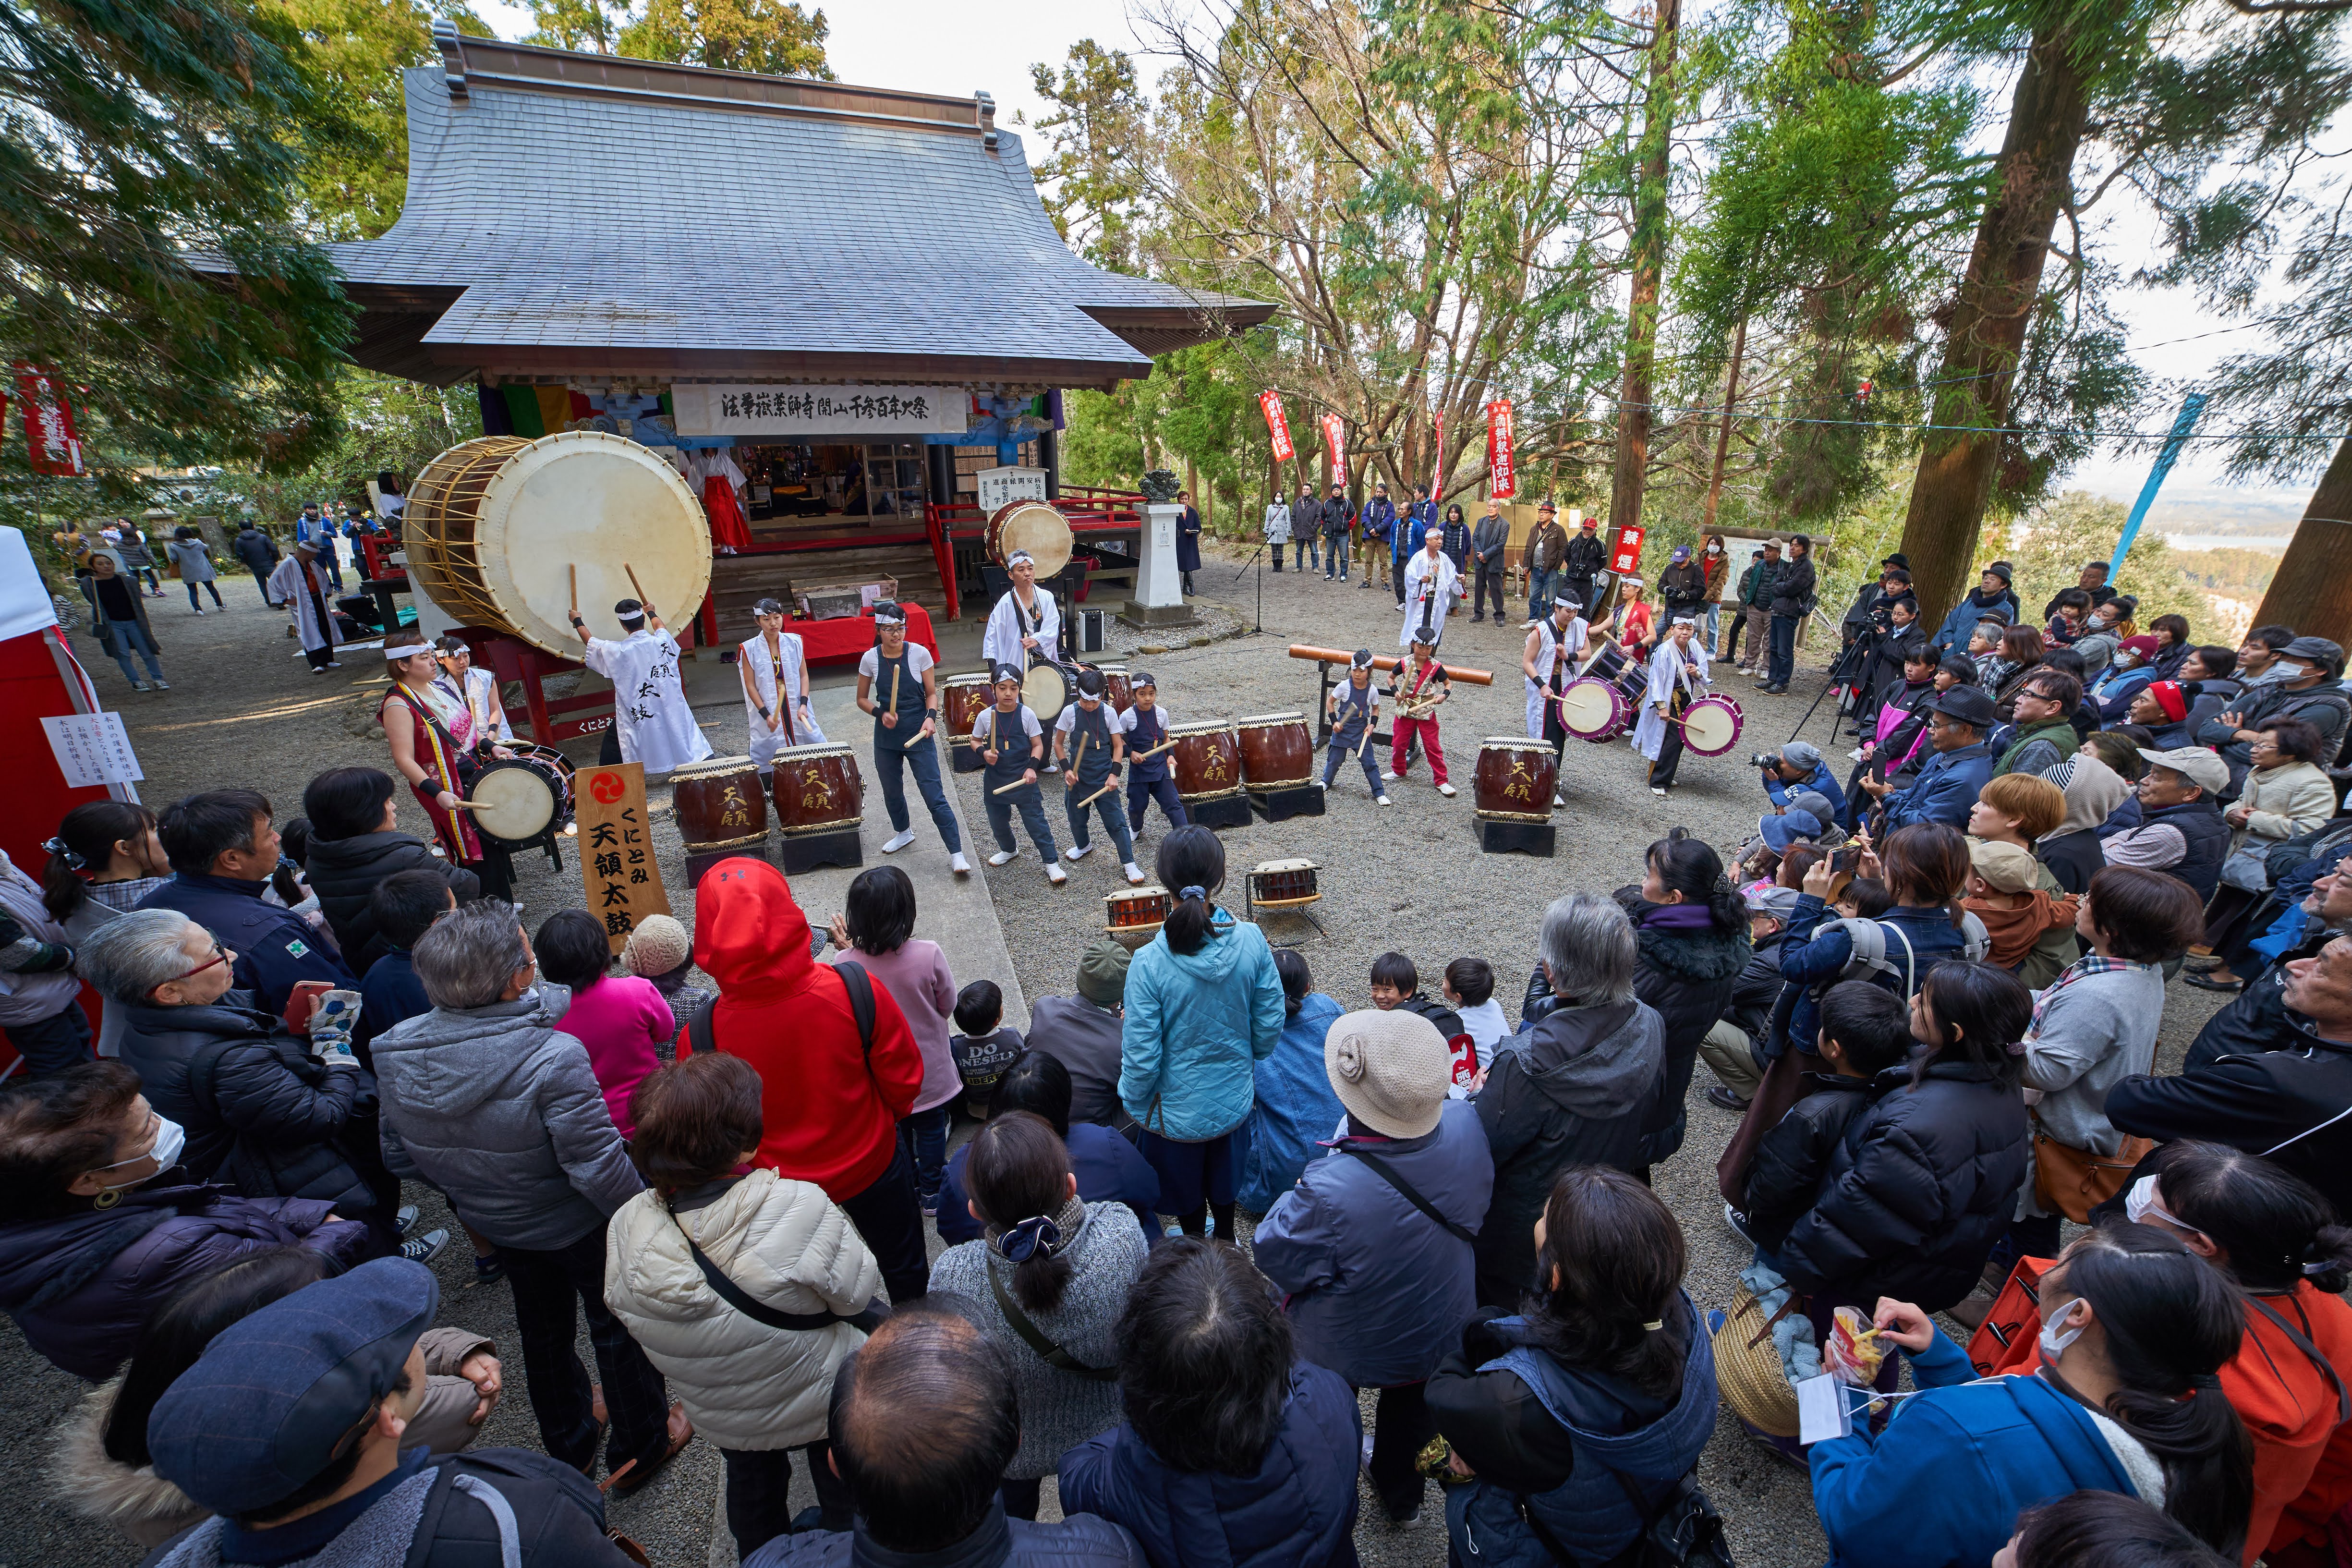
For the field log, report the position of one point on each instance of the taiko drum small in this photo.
(1515, 780)
(1277, 751)
(1135, 916)
(1207, 757)
(817, 790)
(719, 804)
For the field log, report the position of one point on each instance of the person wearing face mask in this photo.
(2278, 1240)
(2307, 691)
(2134, 1332)
(99, 1222)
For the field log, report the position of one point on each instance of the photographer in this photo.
(1798, 765)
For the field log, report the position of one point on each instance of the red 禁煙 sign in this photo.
(1626, 554)
(1502, 467)
(49, 440)
(1278, 425)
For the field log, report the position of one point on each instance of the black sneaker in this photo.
(489, 1271)
(425, 1247)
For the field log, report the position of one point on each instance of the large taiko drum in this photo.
(494, 529)
(1592, 709)
(719, 804)
(1035, 526)
(1115, 690)
(1515, 779)
(962, 697)
(1711, 726)
(1277, 751)
(818, 790)
(1207, 760)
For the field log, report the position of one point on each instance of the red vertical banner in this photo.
(49, 438)
(1278, 425)
(1502, 466)
(1335, 441)
(1437, 458)
(1626, 554)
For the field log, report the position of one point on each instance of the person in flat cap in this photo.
(651, 722)
(1947, 788)
(898, 683)
(288, 1429)
(1082, 1032)
(1992, 593)
(1799, 765)
(2307, 691)
(773, 667)
(1025, 626)
(1379, 1287)
(1353, 708)
(2182, 831)
(1682, 586)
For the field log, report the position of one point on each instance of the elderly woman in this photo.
(1579, 1087)
(99, 1226)
(269, 1113)
(487, 1099)
(2286, 795)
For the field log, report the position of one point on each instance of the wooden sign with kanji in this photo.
(616, 851)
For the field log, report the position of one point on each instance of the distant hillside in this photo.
(2205, 508)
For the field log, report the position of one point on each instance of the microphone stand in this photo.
(1256, 556)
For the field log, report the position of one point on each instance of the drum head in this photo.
(516, 803)
(1047, 693)
(1711, 727)
(494, 532)
(1035, 527)
(1587, 707)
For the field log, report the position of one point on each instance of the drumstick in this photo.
(1145, 756)
(1016, 783)
(574, 570)
(1098, 795)
(635, 585)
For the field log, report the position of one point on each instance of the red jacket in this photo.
(825, 1117)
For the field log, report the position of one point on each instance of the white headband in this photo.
(1019, 558)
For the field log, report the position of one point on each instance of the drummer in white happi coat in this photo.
(301, 584)
(1025, 622)
(649, 711)
(774, 665)
(1431, 586)
(1677, 678)
(1548, 663)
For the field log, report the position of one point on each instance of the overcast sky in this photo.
(954, 48)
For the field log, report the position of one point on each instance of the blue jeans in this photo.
(1540, 591)
(1032, 806)
(1335, 555)
(192, 588)
(1113, 815)
(924, 1134)
(1714, 627)
(1784, 650)
(132, 638)
(1304, 553)
(924, 758)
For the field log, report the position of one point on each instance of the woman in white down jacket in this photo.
(757, 1389)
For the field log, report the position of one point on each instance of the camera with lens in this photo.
(1765, 760)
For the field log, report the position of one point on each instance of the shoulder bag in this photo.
(1380, 1168)
(759, 1311)
(1682, 1531)
(854, 980)
(1053, 1354)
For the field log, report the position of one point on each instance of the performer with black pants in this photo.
(1089, 748)
(1014, 748)
(1677, 675)
(1145, 725)
(1548, 663)
(1354, 710)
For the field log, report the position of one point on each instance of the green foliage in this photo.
(774, 37)
(384, 422)
(589, 26)
(2048, 546)
(1096, 198)
(133, 134)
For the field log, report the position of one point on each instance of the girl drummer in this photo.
(900, 685)
(478, 688)
(1421, 683)
(1145, 724)
(1677, 677)
(1354, 710)
(773, 667)
(433, 737)
(1026, 627)
(1013, 746)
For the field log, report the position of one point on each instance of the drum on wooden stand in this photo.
(1207, 761)
(1134, 917)
(1277, 751)
(1516, 778)
(1711, 726)
(817, 789)
(1035, 526)
(496, 527)
(1592, 709)
(719, 806)
(962, 697)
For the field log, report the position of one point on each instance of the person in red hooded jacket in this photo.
(829, 1108)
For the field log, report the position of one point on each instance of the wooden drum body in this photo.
(1035, 526)
(719, 804)
(818, 790)
(1207, 760)
(496, 527)
(1277, 751)
(1116, 690)
(1515, 780)
(962, 697)
(1134, 917)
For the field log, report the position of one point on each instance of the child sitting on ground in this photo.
(1864, 1031)
(618, 1017)
(983, 1047)
(1397, 983)
(1469, 990)
(661, 951)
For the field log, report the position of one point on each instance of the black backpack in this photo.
(1682, 1531)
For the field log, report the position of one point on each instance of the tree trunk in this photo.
(2312, 590)
(1649, 222)
(2030, 182)
(1723, 441)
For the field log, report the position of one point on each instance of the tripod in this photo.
(1848, 667)
(1257, 623)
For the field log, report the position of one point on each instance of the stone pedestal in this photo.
(1159, 587)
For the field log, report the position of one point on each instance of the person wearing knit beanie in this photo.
(658, 945)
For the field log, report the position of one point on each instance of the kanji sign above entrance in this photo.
(775, 409)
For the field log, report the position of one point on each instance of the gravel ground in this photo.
(1410, 877)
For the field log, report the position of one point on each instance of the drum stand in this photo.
(1286, 800)
(1256, 915)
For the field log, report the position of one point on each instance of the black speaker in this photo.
(1089, 631)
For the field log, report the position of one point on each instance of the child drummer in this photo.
(1677, 677)
(1354, 709)
(1013, 746)
(1145, 725)
(1089, 747)
(1419, 686)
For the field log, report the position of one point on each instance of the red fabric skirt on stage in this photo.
(728, 525)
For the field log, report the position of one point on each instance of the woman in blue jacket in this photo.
(1204, 1003)
(2134, 1332)
(1234, 1453)
(1925, 867)
(1603, 1392)
(1294, 1109)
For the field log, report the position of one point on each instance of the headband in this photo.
(395, 652)
(887, 613)
(1019, 558)
(1361, 659)
(768, 607)
(1140, 678)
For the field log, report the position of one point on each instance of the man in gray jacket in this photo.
(487, 1099)
(1486, 543)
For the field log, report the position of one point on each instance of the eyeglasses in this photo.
(220, 956)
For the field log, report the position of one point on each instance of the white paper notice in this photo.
(92, 749)
(1821, 1411)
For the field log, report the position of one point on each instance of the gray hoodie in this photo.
(1574, 1089)
(501, 1111)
